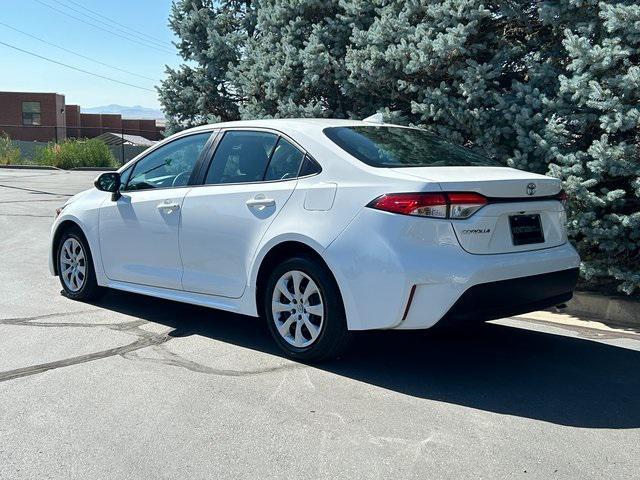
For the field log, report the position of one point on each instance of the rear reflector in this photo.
(431, 204)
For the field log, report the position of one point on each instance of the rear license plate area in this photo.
(526, 229)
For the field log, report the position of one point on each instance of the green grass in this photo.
(9, 152)
(75, 153)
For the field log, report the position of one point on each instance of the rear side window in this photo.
(241, 156)
(381, 146)
(309, 167)
(285, 161)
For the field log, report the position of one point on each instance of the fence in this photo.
(124, 143)
(122, 153)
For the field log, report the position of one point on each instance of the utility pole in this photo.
(122, 146)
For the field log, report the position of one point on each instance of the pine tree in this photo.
(293, 65)
(595, 134)
(212, 36)
(550, 86)
(450, 66)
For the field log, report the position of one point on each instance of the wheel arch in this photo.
(277, 253)
(63, 227)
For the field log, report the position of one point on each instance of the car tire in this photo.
(304, 310)
(75, 267)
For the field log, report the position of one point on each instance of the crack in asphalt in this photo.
(37, 191)
(44, 174)
(19, 320)
(146, 339)
(35, 369)
(175, 360)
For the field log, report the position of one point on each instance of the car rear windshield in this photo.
(403, 147)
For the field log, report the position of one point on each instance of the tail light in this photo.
(456, 205)
(463, 205)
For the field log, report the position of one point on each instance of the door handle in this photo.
(261, 202)
(168, 207)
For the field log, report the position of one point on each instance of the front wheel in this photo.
(304, 310)
(75, 267)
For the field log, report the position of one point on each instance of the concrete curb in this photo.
(76, 169)
(610, 310)
(93, 169)
(29, 167)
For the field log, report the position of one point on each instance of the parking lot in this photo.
(135, 387)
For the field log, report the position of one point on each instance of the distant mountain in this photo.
(136, 111)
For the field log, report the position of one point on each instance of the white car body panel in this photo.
(396, 252)
(488, 231)
(209, 251)
(82, 210)
(221, 232)
(320, 196)
(139, 237)
(490, 181)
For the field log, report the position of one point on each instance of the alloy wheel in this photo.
(298, 309)
(73, 265)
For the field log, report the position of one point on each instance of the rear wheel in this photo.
(304, 310)
(75, 266)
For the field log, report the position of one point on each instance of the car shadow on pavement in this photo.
(513, 371)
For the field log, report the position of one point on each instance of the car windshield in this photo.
(386, 147)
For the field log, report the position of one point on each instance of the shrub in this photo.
(9, 152)
(75, 153)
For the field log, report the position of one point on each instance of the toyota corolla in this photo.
(322, 227)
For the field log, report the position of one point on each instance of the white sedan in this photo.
(322, 227)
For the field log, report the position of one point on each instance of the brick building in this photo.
(72, 113)
(33, 116)
(44, 117)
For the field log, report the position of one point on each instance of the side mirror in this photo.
(109, 182)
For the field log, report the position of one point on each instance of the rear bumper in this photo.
(488, 301)
(403, 272)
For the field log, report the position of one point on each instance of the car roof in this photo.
(287, 125)
(307, 133)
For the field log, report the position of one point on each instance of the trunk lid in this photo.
(518, 205)
(489, 181)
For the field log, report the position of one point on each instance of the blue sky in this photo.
(22, 72)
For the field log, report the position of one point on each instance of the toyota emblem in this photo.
(531, 189)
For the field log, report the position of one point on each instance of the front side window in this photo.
(124, 177)
(285, 162)
(241, 157)
(170, 165)
(31, 113)
(402, 147)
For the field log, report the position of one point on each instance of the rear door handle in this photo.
(168, 207)
(260, 202)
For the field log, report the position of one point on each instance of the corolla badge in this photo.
(531, 189)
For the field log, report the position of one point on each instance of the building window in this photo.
(31, 113)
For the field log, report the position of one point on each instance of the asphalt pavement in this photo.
(132, 387)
